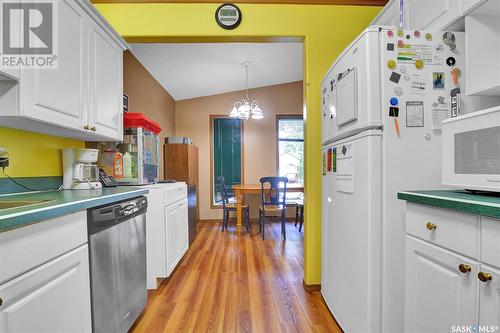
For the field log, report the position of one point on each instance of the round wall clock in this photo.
(228, 16)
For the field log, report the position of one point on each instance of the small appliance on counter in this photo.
(178, 140)
(134, 161)
(80, 170)
(471, 151)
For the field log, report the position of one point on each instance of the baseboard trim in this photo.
(311, 287)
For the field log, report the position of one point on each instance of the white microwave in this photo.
(471, 151)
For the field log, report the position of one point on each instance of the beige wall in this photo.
(146, 95)
(192, 120)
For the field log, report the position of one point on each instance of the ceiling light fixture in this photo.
(245, 109)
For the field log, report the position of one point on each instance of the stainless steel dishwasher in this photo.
(117, 249)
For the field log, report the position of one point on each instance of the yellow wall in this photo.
(326, 30)
(34, 155)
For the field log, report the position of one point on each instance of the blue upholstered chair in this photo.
(273, 193)
(229, 205)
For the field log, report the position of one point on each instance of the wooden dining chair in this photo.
(273, 202)
(229, 205)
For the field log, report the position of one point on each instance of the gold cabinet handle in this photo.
(93, 128)
(464, 268)
(431, 226)
(87, 127)
(484, 276)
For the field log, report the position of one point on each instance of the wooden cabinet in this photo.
(431, 14)
(181, 163)
(438, 295)
(54, 297)
(176, 227)
(82, 98)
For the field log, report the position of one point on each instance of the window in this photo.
(290, 150)
(227, 148)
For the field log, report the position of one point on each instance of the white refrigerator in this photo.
(383, 102)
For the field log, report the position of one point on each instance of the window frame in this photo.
(211, 140)
(277, 131)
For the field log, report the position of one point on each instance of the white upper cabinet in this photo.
(468, 5)
(389, 15)
(106, 84)
(82, 98)
(431, 14)
(482, 37)
(56, 95)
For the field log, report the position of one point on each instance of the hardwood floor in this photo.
(230, 283)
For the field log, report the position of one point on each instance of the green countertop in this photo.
(61, 203)
(483, 204)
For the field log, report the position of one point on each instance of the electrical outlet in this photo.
(4, 157)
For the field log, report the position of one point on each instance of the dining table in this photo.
(241, 189)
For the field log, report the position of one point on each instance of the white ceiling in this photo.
(198, 69)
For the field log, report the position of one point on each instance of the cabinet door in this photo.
(172, 236)
(431, 14)
(155, 237)
(106, 85)
(54, 297)
(184, 228)
(56, 95)
(489, 298)
(438, 295)
(389, 15)
(469, 5)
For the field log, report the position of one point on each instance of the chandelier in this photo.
(244, 109)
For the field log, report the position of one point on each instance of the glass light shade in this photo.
(257, 113)
(234, 113)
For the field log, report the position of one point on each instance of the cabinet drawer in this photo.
(174, 194)
(490, 244)
(455, 231)
(27, 247)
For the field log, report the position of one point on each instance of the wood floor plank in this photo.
(238, 283)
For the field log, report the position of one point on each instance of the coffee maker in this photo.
(80, 170)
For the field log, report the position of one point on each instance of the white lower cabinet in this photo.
(176, 227)
(167, 229)
(438, 295)
(54, 297)
(489, 297)
(452, 271)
